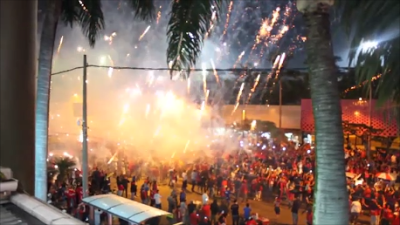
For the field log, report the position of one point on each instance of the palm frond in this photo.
(69, 13)
(90, 18)
(64, 163)
(144, 9)
(371, 20)
(186, 30)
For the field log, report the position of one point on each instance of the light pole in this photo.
(85, 171)
(369, 120)
(366, 47)
(280, 103)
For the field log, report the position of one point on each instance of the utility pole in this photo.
(369, 120)
(85, 171)
(280, 104)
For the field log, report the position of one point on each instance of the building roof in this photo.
(126, 209)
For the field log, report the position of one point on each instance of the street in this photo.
(264, 209)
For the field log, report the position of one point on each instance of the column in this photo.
(18, 23)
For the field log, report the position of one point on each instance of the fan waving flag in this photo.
(386, 176)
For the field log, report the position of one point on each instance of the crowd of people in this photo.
(263, 170)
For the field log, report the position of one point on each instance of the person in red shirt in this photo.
(71, 198)
(222, 192)
(120, 189)
(387, 215)
(245, 191)
(206, 210)
(78, 194)
(152, 200)
(251, 221)
(143, 196)
(396, 218)
(81, 210)
(194, 218)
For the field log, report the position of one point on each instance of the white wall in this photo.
(291, 114)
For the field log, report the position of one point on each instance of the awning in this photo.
(126, 209)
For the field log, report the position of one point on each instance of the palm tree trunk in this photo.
(331, 198)
(47, 40)
(18, 69)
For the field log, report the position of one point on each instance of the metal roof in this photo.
(10, 214)
(126, 209)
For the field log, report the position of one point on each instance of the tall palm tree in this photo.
(331, 198)
(88, 15)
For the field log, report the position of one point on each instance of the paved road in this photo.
(264, 209)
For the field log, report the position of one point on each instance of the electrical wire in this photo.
(198, 69)
(168, 69)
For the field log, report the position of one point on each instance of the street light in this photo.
(369, 44)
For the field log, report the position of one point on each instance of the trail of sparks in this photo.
(213, 17)
(215, 72)
(204, 73)
(239, 59)
(186, 146)
(144, 33)
(188, 86)
(159, 15)
(238, 98)
(265, 29)
(269, 76)
(281, 60)
(113, 157)
(207, 95)
(60, 44)
(254, 88)
(228, 17)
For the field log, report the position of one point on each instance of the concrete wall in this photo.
(18, 24)
(291, 114)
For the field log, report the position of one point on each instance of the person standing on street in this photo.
(214, 211)
(295, 210)
(247, 211)
(235, 213)
(157, 199)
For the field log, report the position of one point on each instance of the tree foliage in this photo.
(375, 21)
(188, 27)
(87, 14)
(64, 166)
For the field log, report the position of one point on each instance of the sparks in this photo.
(60, 44)
(144, 33)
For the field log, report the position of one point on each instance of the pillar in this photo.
(18, 23)
(110, 219)
(91, 214)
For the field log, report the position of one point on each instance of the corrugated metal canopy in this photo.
(123, 208)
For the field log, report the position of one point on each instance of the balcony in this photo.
(18, 208)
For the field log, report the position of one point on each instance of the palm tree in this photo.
(64, 166)
(88, 14)
(187, 28)
(331, 198)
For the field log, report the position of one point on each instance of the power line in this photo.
(168, 69)
(192, 70)
(197, 70)
(66, 71)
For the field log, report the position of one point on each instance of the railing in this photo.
(42, 211)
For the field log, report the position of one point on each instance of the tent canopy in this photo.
(123, 208)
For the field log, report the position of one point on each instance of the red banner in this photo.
(353, 111)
